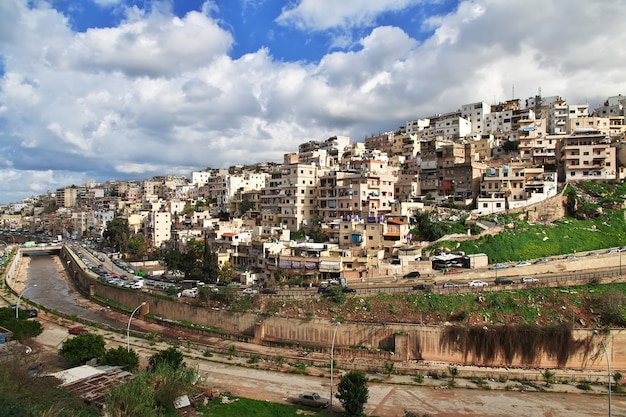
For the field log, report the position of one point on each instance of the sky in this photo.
(116, 89)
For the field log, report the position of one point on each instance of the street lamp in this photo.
(17, 306)
(128, 328)
(608, 367)
(332, 353)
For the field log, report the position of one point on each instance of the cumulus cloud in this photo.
(160, 94)
(320, 15)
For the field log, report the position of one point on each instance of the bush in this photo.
(120, 356)
(83, 347)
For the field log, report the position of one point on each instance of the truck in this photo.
(311, 399)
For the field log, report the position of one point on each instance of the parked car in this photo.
(348, 289)
(421, 287)
(78, 330)
(529, 280)
(324, 290)
(477, 283)
(450, 285)
(412, 274)
(522, 264)
(249, 291)
(499, 266)
(31, 312)
(311, 399)
(450, 271)
(541, 261)
(503, 281)
(268, 291)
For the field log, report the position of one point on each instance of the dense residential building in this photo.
(510, 186)
(587, 155)
(361, 195)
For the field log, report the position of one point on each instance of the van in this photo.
(191, 293)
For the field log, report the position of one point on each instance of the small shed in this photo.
(5, 335)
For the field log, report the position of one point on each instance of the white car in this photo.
(523, 264)
(249, 291)
(477, 283)
(528, 280)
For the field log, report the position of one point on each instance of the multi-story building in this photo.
(289, 197)
(66, 197)
(510, 186)
(587, 155)
(450, 126)
(602, 124)
(535, 145)
(160, 227)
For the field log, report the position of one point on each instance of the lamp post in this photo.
(332, 354)
(17, 306)
(128, 328)
(608, 367)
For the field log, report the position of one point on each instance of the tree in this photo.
(83, 347)
(137, 246)
(21, 328)
(175, 260)
(117, 233)
(170, 356)
(245, 206)
(353, 393)
(120, 356)
(226, 273)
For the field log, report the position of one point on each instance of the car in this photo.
(333, 281)
(450, 285)
(268, 291)
(249, 291)
(592, 254)
(412, 274)
(421, 287)
(522, 264)
(503, 281)
(32, 312)
(449, 271)
(312, 399)
(477, 283)
(541, 261)
(348, 289)
(528, 280)
(78, 330)
(498, 266)
(324, 290)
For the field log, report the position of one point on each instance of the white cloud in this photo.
(320, 15)
(160, 94)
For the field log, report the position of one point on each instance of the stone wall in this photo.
(397, 342)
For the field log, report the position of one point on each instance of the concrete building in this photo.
(587, 155)
(511, 186)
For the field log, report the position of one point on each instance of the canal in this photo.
(47, 284)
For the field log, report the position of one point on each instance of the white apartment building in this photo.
(161, 227)
(476, 113)
(449, 126)
(416, 126)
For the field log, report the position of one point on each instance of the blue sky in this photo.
(112, 89)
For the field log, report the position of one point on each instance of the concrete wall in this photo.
(396, 342)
